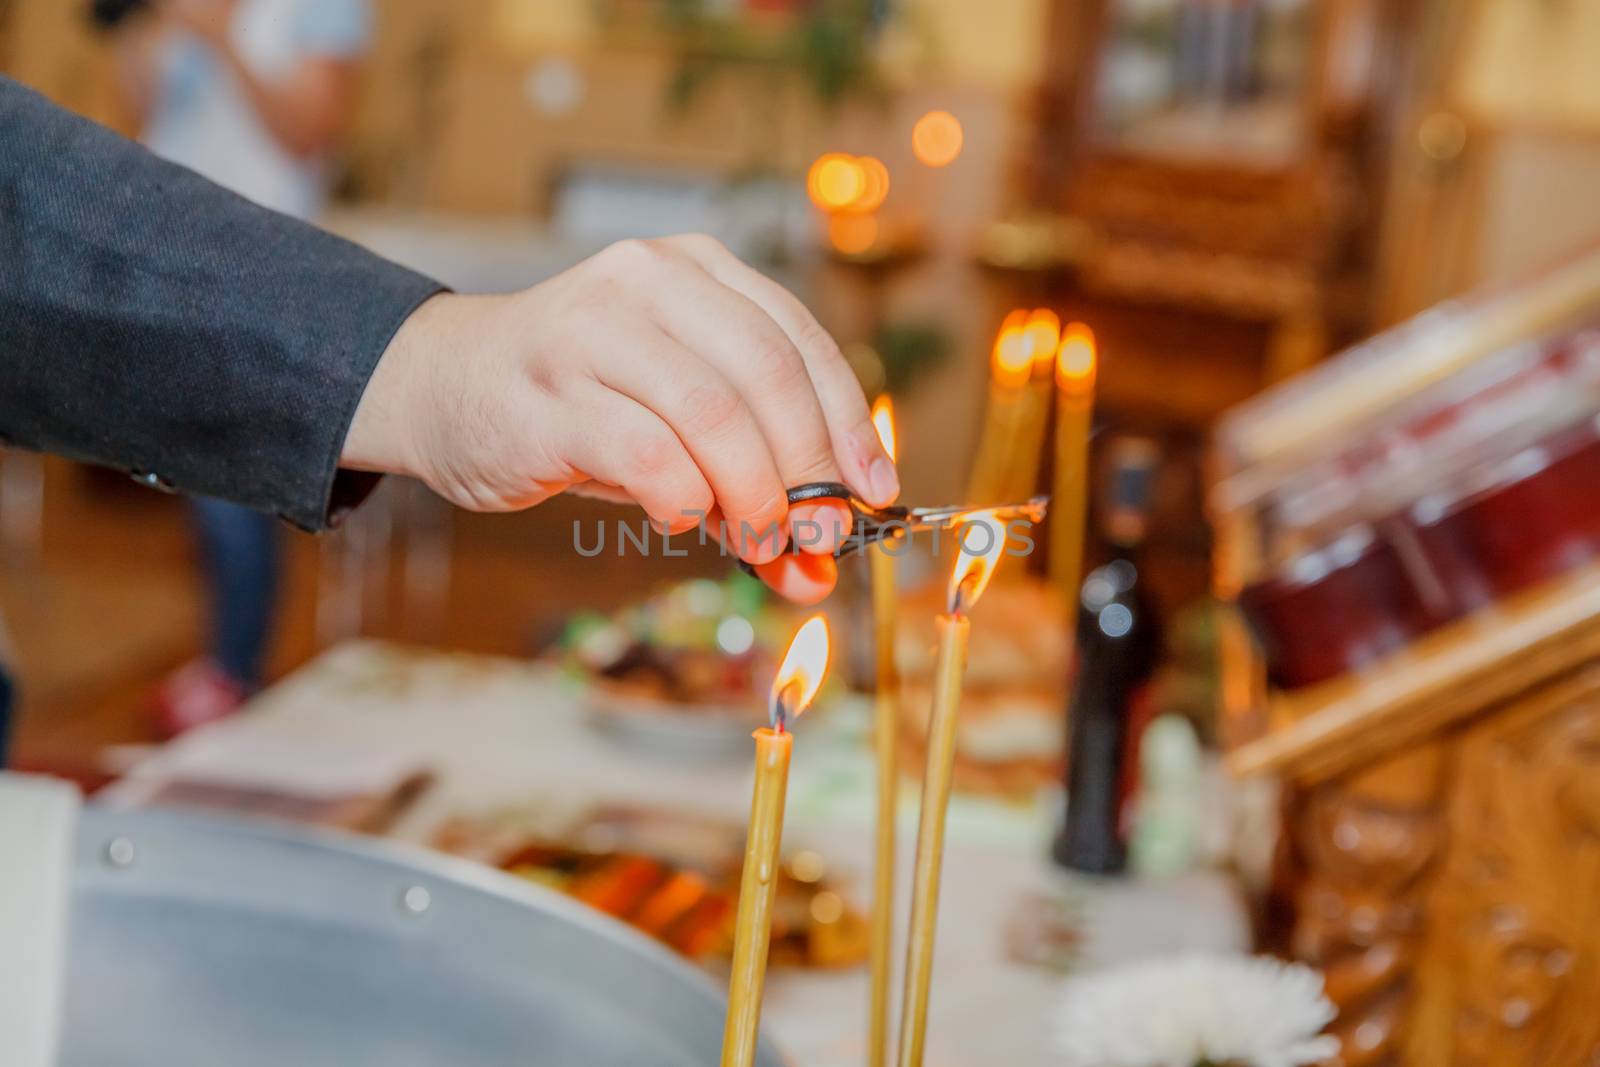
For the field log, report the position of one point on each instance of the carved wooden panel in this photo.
(1511, 967)
(1368, 844)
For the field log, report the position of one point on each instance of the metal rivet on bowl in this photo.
(416, 900)
(120, 852)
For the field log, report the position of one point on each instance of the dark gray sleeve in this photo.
(152, 321)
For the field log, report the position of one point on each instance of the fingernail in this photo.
(762, 545)
(818, 528)
(884, 481)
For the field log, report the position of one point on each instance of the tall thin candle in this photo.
(982, 541)
(793, 688)
(1040, 337)
(1010, 367)
(885, 726)
(1076, 368)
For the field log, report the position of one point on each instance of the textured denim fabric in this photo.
(152, 321)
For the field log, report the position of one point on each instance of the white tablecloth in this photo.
(500, 733)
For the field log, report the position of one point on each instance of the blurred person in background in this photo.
(253, 94)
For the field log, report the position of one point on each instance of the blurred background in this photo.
(1227, 191)
(1222, 194)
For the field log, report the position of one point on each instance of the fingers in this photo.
(710, 419)
(800, 578)
(626, 450)
(860, 456)
(735, 336)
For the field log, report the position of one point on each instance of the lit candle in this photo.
(982, 540)
(885, 726)
(1011, 365)
(1040, 336)
(792, 691)
(1075, 374)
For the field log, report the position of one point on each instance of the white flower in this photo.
(1179, 1011)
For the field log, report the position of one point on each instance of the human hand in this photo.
(209, 20)
(666, 373)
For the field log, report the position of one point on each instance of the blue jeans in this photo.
(239, 548)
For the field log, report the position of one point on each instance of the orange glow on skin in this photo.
(973, 570)
(1077, 361)
(801, 674)
(883, 422)
(937, 138)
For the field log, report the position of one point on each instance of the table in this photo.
(503, 732)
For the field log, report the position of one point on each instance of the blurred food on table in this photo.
(674, 876)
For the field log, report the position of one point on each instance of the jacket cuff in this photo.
(337, 491)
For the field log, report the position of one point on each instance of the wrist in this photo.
(384, 433)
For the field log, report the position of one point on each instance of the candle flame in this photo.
(1077, 359)
(800, 676)
(1041, 335)
(883, 422)
(1012, 361)
(981, 537)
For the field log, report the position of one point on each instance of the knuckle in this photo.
(634, 254)
(816, 461)
(651, 454)
(596, 295)
(813, 337)
(772, 504)
(777, 363)
(703, 243)
(711, 410)
(698, 500)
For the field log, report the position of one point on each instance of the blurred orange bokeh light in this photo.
(836, 181)
(852, 234)
(937, 139)
(841, 182)
(876, 190)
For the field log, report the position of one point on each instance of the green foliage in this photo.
(908, 351)
(827, 46)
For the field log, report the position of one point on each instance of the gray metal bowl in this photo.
(212, 941)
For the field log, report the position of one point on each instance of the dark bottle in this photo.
(1119, 645)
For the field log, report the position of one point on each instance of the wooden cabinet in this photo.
(1441, 856)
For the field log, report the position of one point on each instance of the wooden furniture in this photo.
(1440, 858)
(1247, 221)
(1494, 155)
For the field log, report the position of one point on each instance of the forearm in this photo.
(152, 321)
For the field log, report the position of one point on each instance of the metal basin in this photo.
(215, 941)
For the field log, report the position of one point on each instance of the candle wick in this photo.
(958, 599)
(780, 710)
